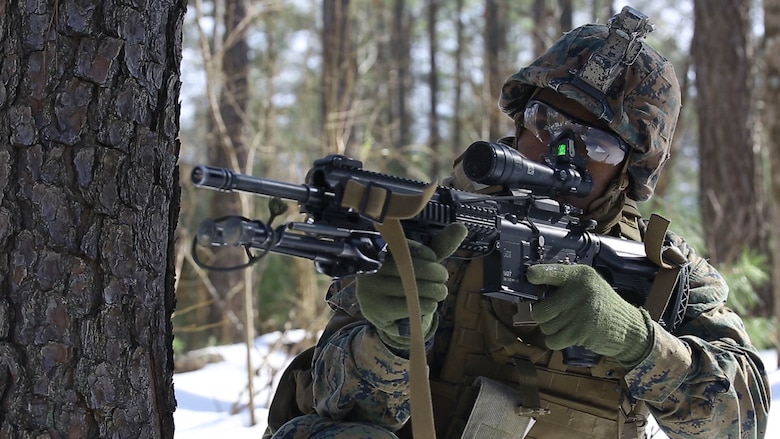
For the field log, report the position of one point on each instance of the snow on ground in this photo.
(213, 401)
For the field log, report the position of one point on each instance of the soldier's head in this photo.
(619, 96)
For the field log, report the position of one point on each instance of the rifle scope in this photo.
(496, 164)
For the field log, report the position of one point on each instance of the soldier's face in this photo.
(548, 112)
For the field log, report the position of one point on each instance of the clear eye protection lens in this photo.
(547, 123)
(603, 147)
(536, 122)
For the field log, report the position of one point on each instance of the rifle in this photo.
(515, 227)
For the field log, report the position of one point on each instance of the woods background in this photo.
(98, 284)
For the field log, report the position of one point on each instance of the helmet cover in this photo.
(640, 102)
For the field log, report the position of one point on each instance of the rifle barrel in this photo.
(225, 180)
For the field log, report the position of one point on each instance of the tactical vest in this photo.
(565, 401)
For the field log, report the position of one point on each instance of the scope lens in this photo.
(479, 161)
(497, 164)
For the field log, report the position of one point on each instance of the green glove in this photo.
(585, 311)
(381, 294)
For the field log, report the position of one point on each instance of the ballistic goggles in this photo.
(547, 124)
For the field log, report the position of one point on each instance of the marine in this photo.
(493, 375)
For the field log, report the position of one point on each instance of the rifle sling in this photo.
(378, 203)
(387, 209)
(663, 286)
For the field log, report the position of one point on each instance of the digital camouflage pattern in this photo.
(356, 378)
(313, 426)
(706, 380)
(645, 99)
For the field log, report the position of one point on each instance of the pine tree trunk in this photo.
(89, 200)
(231, 150)
(566, 21)
(400, 46)
(733, 197)
(339, 74)
(496, 24)
(460, 82)
(771, 118)
(434, 138)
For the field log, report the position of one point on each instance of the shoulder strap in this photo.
(389, 208)
(668, 273)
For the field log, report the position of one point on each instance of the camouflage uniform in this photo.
(705, 380)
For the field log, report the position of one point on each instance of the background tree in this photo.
(89, 200)
(230, 148)
(457, 116)
(497, 67)
(771, 119)
(383, 35)
(733, 196)
(434, 138)
(339, 72)
(398, 77)
(566, 20)
(542, 21)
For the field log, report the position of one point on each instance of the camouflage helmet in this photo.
(618, 78)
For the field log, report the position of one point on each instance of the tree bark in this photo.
(89, 200)
(339, 74)
(733, 196)
(771, 119)
(496, 24)
(541, 14)
(566, 20)
(434, 138)
(400, 46)
(231, 150)
(460, 82)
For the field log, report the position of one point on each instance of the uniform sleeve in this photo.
(356, 377)
(706, 380)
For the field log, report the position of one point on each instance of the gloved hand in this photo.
(586, 311)
(381, 294)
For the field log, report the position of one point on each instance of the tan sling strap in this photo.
(387, 209)
(658, 253)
